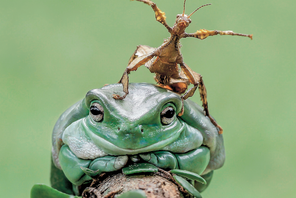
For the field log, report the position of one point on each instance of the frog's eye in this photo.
(96, 112)
(167, 115)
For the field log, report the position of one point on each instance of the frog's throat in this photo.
(112, 149)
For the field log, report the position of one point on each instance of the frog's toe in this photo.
(90, 172)
(147, 156)
(120, 162)
(161, 159)
(108, 163)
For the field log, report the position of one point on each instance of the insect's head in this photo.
(183, 21)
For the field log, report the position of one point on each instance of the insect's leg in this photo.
(203, 34)
(124, 81)
(164, 86)
(159, 15)
(138, 58)
(141, 51)
(196, 80)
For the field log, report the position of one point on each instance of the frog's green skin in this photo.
(132, 130)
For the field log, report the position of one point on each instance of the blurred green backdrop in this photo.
(53, 52)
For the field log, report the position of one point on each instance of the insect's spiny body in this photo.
(169, 56)
(164, 60)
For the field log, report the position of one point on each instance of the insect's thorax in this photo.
(169, 51)
(168, 58)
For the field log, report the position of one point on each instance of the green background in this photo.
(53, 52)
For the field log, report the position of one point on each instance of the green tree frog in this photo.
(100, 134)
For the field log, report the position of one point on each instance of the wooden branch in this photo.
(154, 185)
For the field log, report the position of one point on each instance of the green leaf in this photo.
(189, 175)
(43, 191)
(133, 194)
(187, 186)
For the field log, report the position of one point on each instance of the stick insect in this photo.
(164, 60)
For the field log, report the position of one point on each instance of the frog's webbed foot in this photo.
(161, 159)
(90, 173)
(105, 164)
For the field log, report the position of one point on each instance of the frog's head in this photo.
(146, 120)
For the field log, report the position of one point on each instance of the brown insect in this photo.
(164, 60)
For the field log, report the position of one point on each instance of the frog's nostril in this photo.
(118, 129)
(142, 130)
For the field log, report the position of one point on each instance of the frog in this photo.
(99, 134)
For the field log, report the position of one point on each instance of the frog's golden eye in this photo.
(167, 115)
(96, 111)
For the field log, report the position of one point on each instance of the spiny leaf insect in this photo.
(164, 60)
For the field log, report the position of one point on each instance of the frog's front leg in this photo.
(195, 160)
(105, 164)
(79, 170)
(161, 159)
(71, 166)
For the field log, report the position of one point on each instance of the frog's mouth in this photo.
(112, 149)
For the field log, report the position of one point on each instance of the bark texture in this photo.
(158, 185)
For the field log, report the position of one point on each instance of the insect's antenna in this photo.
(184, 8)
(198, 9)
